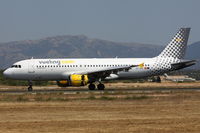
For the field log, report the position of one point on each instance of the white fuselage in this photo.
(60, 69)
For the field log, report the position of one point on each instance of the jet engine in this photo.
(74, 80)
(63, 83)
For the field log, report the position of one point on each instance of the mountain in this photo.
(193, 52)
(79, 46)
(71, 47)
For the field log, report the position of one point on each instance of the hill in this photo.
(193, 52)
(72, 47)
(80, 46)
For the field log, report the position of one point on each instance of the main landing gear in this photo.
(100, 86)
(30, 88)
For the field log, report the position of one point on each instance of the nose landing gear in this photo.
(30, 88)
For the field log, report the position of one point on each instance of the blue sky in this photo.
(143, 21)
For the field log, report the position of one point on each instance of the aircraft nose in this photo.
(7, 73)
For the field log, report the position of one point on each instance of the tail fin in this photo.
(177, 47)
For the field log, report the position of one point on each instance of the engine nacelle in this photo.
(74, 80)
(78, 80)
(63, 83)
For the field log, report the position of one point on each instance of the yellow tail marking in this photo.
(141, 65)
(178, 39)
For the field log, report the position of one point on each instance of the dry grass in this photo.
(118, 85)
(153, 85)
(159, 112)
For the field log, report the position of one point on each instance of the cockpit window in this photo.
(16, 66)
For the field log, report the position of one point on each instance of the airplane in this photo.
(84, 71)
(183, 78)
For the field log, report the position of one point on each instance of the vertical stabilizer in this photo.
(177, 47)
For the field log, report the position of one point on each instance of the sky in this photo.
(142, 21)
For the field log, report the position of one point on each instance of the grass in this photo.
(92, 97)
(107, 98)
(136, 97)
(168, 112)
(22, 99)
(47, 97)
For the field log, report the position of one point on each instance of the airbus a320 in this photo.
(88, 71)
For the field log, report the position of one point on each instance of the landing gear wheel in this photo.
(91, 87)
(101, 86)
(30, 88)
(158, 79)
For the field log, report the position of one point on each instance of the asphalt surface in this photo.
(74, 91)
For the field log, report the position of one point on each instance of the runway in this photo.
(74, 91)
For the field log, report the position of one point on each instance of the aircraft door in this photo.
(31, 67)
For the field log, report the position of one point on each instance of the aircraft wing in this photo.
(103, 73)
(183, 64)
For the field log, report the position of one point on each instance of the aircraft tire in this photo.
(91, 87)
(30, 88)
(101, 86)
(158, 79)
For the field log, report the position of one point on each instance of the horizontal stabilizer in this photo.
(183, 64)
